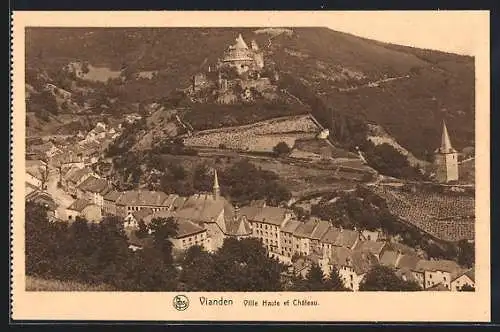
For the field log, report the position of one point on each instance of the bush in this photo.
(281, 149)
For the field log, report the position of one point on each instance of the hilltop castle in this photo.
(238, 76)
(242, 58)
(446, 159)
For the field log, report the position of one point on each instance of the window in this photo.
(444, 278)
(351, 277)
(430, 276)
(352, 286)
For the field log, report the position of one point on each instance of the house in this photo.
(94, 189)
(217, 215)
(84, 209)
(317, 234)
(132, 220)
(390, 258)
(302, 237)
(189, 234)
(432, 272)
(328, 240)
(372, 247)
(351, 265)
(347, 238)
(266, 221)
(109, 202)
(74, 179)
(36, 173)
(45, 199)
(286, 239)
(29, 188)
(462, 279)
(135, 200)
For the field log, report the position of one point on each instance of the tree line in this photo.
(99, 253)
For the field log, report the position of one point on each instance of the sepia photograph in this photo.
(253, 158)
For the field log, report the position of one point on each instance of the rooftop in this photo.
(95, 185)
(79, 205)
(142, 198)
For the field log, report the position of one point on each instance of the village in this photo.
(71, 189)
(61, 177)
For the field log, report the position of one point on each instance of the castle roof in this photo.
(240, 43)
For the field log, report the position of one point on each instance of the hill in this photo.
(405, 90)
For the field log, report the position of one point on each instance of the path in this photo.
(62, 199)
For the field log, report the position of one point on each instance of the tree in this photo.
(244, 265)
(163, 229)
(281, 149)
(334, 282)
(315, 280)
(382, 278)
(197, 270)
(466, 253)
(44, 176)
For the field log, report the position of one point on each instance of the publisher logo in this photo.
(181, 302)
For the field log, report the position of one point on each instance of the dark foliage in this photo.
(382, 278)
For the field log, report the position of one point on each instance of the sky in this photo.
(448, 31)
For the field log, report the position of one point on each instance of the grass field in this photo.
(37, 284)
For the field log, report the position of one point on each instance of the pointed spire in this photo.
(240, 43)
(216, 187)
(445, 140)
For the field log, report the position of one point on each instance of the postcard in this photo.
(251, 166)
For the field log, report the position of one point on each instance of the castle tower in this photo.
(446, 159)
(216, 188)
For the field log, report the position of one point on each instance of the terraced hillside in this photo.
(258, 137)
(445, 217)
(406, 90)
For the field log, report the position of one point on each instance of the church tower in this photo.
(446, 159)
(216, 188)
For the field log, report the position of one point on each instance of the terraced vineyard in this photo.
(449, 218)
(261, 136)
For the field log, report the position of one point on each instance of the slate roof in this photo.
(141, 198)
(373, 247)
(339, 255)
(238, 226)
(290, 226)
(305, 229)
(95, 185)
(330, 236)
(389, 258)
(265, 214)
(362, 262)
(77, 175)
(437, 265)
(112, 195)
(79, 205)
(471, 274)
(42, 197)
(187, 228)
(408, 262)
(346, 238)
(320, 230)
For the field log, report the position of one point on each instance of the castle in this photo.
(446, 159)
(242, 58)
(237, 76)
